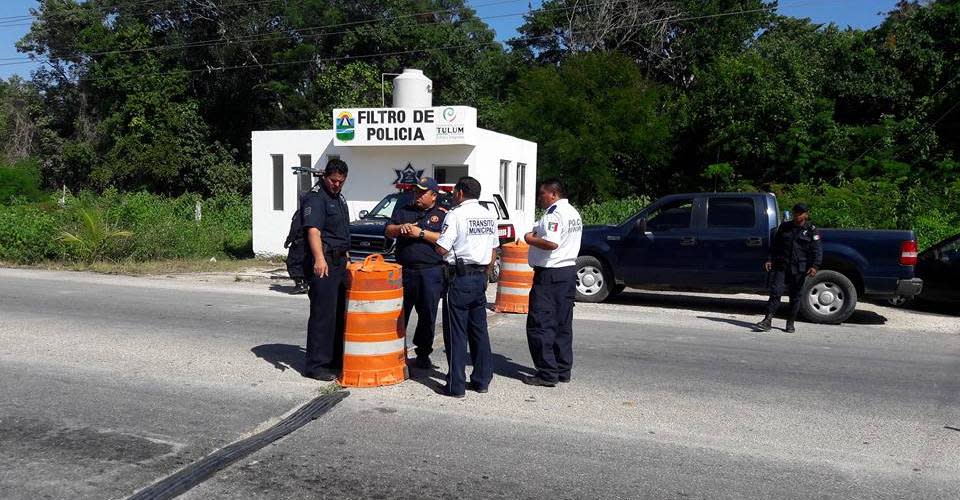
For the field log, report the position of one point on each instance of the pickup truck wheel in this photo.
(593, 284)
(828, 297)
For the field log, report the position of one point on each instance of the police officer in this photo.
(554, 246)
(468, 242)
(795, 253)
(326, 225)
(422, 265)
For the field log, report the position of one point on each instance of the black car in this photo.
(939, 267)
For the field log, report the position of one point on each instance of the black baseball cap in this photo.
(801, 208)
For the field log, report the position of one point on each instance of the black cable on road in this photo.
(201, 470)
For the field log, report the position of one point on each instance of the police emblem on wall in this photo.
(407, 175)
(345, 126)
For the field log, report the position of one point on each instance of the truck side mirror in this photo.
(641, 225)
(364, 213)
(787, 215)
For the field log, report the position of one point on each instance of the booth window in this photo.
(277, 182)
(449, 174)
(521, 185)
(305, 179)
(504, 169)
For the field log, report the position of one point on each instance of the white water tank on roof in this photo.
(412, 90)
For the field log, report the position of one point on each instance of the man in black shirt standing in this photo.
(795, 253)
(327, 232)
(422, 271)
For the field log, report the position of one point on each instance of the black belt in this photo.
(419, 267)
(474, 268)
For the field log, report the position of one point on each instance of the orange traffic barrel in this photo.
(374, 343)
(516, 279)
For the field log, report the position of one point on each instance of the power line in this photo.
(876, 143)
(397, 53)
(280, 35)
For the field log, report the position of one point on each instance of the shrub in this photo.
(22, 180)
(612, 211)
(160, 227)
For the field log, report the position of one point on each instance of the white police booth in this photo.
(386, 146)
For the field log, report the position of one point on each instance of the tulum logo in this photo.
(345, 126)
(449, 114)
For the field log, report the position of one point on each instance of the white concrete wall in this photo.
(372, 174)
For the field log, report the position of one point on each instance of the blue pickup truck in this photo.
(718, 242)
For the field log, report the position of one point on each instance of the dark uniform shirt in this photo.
(796, 248)
(416, 252)
(330, 215)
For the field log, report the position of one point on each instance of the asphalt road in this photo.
(110, 383)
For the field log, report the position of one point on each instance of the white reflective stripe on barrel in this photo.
(373, 348)
(509, 290)
(513, 266)
(374, 306)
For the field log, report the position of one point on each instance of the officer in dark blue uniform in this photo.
(796, 252)
(468, 242)
(327, 231)
(554, 247)
(422, 265)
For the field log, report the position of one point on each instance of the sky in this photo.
(502, 15)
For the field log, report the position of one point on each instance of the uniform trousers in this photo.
(790, 281)
(422, 290)
(465, 325)
(550, 321)
(327, 311)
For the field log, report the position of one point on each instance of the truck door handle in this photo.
(754, 242)
(688, 241)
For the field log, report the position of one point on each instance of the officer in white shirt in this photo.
(468, 243)
(554, 246)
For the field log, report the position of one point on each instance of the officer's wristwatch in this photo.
(421, 234)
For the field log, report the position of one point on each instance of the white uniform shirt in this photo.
(561, 224)
(469, 233)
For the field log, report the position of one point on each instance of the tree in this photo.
(598, 123)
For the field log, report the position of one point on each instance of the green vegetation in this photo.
(126, 227)
(148, 108)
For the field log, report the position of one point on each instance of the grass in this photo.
(159, 267)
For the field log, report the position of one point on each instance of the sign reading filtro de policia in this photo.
(404, 126)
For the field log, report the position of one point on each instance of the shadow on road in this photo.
(734, 322)
(728, 305)
(505, 367)
(287, 289)
(282, 356)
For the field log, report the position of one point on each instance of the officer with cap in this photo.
(326, 226)
(554, 246)
(468, 242)
(422, 265)
(795, 253)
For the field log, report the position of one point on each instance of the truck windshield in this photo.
(384, 209)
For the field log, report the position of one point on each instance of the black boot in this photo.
(764, 325)
(790, 328)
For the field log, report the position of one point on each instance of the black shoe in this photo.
(423, 363)
(790, 328)
(764, 324)
(322, 375)
(563, 380)
(444, 391)
(476, 388)
(535, 380)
